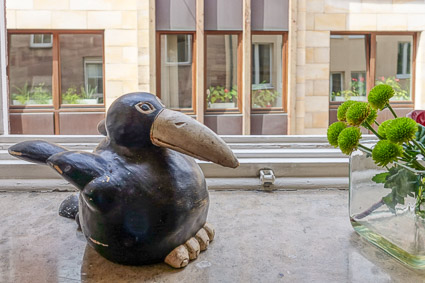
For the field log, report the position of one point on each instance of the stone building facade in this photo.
(289, 59)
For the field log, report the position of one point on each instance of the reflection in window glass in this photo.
(176, 70)
(337, 81)
(221, 68)
(393, 64)
(348, 56)
(266, 68)
(81, 68)
(30, 71)
(41, 40)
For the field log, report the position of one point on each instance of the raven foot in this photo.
(180, 256)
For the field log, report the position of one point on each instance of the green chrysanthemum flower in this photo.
(380, 96)
(333, 132)
(357, 113)
(386, 152)
(348, 140)
(342, 109)
(401, 130)
(372, 116)
(382, 129)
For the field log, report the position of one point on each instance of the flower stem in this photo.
(376, 123)
(368, 150)
(370, 128)
(391, 109)
(419, 199)
(420, 147)
(370, 210)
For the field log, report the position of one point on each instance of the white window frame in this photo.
(95, 60)
(41, 45)
(189, 51)
(341, 74)
(256, 84)
(404, 74)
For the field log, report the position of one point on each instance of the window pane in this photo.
(348, 58)
(81, 68)
(47, 38)
(221, 67)
(30, 72)
(176, 70)
(393, 63)
(266, 68)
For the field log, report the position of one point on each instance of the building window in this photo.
(403, 60)
(62, 87)
(348, 56)
(358, 83)
(41, 40)
(355, 54)
(81, 68)
(93, 77)
(394, 64)
(175, 84)
(222, 71)
(180, 50)
(30, 71)
(337, 85)
(266, 67)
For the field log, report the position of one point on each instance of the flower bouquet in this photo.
(387, 177)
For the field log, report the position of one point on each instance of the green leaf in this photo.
(402, 183)
(381, 177)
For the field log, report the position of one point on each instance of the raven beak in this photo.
(172, 129)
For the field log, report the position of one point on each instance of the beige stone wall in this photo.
(126, 27)
(314, 21)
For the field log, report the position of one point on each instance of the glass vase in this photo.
(399, 230)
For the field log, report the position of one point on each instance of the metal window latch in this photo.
(267, 177)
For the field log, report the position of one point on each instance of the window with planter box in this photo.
(267, 61)
(56, 72)
(369, 59)
(222, 71)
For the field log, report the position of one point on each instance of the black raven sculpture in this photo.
(141, 200)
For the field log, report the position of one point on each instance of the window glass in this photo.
(221, 68)
(348, 56)
(394, 63)
(81, 68)
(30, 71)
(337, 80)
(266, 66)
(176, 70)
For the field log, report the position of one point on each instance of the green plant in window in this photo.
(21, 94)
(221, 94)
(70, 96)
(41, 95)
(89, 94)
(264, 98)
(400, 92)
(400, 149)
(358, 86)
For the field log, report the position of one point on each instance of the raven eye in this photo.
(145, 107)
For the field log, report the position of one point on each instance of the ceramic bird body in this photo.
(140, 198)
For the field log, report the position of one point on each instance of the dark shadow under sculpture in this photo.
(140, 197)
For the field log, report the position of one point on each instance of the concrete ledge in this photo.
(280, 183)
(244, 184)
